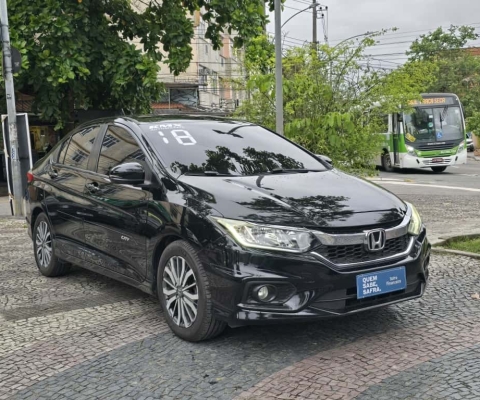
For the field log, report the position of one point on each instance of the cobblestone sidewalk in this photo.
(84, 336)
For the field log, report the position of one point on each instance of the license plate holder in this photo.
(437, 160)
(381, 282)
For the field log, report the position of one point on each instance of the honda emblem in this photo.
(375, 240)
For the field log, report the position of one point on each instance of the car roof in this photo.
(161, 118)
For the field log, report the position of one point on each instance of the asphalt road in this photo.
(448, 202)
(460, 176)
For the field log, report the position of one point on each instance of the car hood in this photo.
(315, 199)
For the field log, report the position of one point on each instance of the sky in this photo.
(347, 18)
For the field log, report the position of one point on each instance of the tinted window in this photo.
(61, 156)
(118, 146)
(225, 147)
(80, 147)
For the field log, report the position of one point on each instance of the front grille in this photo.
(436, 146)
(350, 254)
(360, 229)
(434, 161)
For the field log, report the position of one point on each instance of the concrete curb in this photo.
(437, 247)
(472, 157)
(442, 250)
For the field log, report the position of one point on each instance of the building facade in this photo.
(214, 80)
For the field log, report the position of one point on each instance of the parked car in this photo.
(470, 145)
(225, 221)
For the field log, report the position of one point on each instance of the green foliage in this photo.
(442, 44)
(458, 71)
(81, 54)
(260, 55)
(332, 98)
(473, 123)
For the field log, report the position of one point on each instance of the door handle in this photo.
(92, 187)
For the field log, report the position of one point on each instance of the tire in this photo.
(438, 170)
(44, 249)
(187, 325)
(387, 162)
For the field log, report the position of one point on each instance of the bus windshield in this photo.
(436, 124)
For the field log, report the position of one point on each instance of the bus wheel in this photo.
(437, 170)
(387, 162)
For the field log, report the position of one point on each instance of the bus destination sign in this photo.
(433, 101)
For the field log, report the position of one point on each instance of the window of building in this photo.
(202, 77)
(214, 83)
(79, 148)
(109, 140)
(118, 146)
(201, 28)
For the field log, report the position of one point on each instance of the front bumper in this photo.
(409, 161)
(316, 290)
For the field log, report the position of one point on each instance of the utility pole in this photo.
(314, 25)
(278, 68)
(13, 151)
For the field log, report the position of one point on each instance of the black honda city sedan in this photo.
(226, 222)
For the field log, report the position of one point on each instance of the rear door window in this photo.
(80, 147)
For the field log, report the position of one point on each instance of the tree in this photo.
(442, 44)
(328, 98)
(81, 53)
(458, 71)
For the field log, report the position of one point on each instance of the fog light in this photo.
(265, 293)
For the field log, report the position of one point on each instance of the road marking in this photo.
(430, 186)
(384, 179)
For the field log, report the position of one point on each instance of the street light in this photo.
(353, 37)
(294, 15)
(278, 68)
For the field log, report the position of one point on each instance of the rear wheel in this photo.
(387, 162)
(438, 170)
(184, 293)
(44, 247)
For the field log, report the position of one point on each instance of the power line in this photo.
(417, 31)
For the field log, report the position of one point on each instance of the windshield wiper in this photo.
(292, 171)
(208, 173)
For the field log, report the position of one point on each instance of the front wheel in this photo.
(184, 293)
(387, 162)
(438, 170)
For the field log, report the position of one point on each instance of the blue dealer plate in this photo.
(381, 282)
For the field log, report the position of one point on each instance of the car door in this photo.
(116, 220)
(64, 200)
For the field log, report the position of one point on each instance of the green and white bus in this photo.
(433, 136)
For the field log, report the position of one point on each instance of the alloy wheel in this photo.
(181, 292)
(43, 241)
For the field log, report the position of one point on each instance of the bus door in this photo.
(397, 131)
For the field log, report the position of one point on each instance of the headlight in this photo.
(415, 226)
(411, 150)
(461, 146)
(268, 237)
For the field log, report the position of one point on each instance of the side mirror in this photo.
(325, 158)
(129, 173)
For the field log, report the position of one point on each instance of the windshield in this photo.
(436, 124)
(226, 147)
